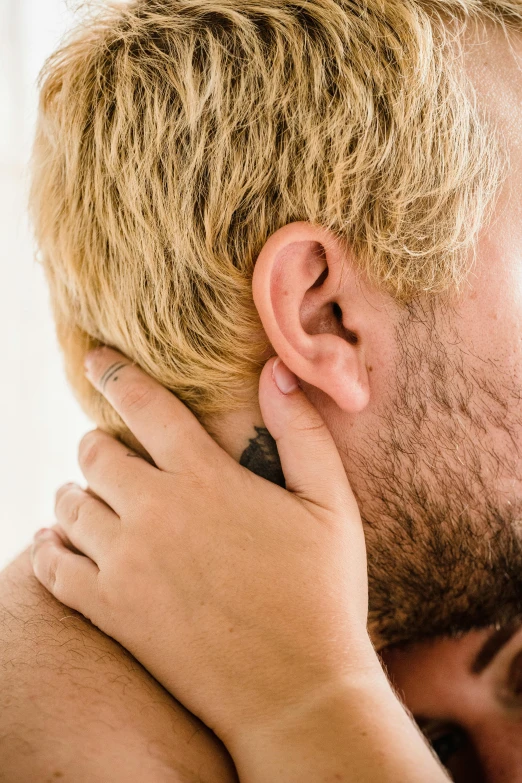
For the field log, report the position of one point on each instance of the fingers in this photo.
(114, 472)
(155, 416)
(311, 463)
(72, 579)
(85, 521)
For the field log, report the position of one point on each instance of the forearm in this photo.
(362, 734)
(73, 702)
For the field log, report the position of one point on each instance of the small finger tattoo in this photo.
(110, 373)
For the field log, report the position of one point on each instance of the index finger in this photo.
(160, 422)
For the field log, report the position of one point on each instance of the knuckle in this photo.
(57, 587)
(134, 397)
(322, 435)
(60, 493)
(60, 498)
(68, 507)
(49, 569)
(304, 421)
(46, 567)
(89, 449)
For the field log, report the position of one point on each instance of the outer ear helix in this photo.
(296, 295)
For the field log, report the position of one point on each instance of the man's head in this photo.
(337, 148)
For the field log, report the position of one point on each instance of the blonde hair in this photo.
(175, 136)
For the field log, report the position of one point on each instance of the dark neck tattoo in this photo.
(261, 457)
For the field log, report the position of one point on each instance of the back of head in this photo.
(175, 136)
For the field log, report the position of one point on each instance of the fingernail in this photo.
(285, 380)
(43, 534)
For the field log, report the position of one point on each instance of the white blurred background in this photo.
(40, 422)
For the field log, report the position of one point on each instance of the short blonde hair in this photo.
(175, 136)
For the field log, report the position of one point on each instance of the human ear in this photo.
(312, 307)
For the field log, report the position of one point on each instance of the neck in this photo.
(244, 436)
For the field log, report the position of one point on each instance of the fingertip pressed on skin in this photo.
(43, 539)
(285, 380)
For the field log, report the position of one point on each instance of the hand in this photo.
(242, 598)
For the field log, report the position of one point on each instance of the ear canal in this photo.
(338, 313)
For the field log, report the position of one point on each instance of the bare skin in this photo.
(163, 560)
(76, 707)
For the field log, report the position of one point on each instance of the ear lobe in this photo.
(297, 291)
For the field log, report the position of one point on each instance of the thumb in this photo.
(311, 464)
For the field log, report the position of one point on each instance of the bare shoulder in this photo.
(75, 706)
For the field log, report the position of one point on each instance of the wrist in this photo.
(354, 728)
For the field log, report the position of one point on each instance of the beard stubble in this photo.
(444, 535)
